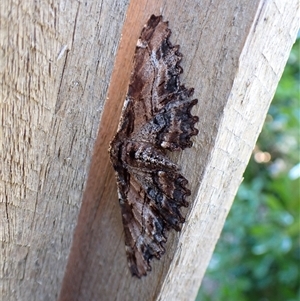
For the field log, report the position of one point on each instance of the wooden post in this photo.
(65, 71)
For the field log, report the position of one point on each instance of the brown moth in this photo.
(155, 119)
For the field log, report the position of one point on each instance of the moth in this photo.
(156, 118)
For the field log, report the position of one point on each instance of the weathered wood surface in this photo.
(57, 62)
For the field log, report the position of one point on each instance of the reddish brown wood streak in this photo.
(156, 117)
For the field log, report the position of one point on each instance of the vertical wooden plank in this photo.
(260, 65)
(56, 62)
(213, 38)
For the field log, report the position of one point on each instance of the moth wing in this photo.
(144, 230)
(156, 115)
(173, 126)
(155, 79)
(150, 205)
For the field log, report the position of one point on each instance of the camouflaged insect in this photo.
(156, 118)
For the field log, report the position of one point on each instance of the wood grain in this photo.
(65, 70)
(56, 64)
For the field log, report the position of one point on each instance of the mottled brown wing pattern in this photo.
(156, 116)
(174, 115)
(144, 230)
(155, 78)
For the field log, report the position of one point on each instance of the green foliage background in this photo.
(257, 256)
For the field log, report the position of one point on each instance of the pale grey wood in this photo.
(224, 45)
(56, 63)
(263, 55)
